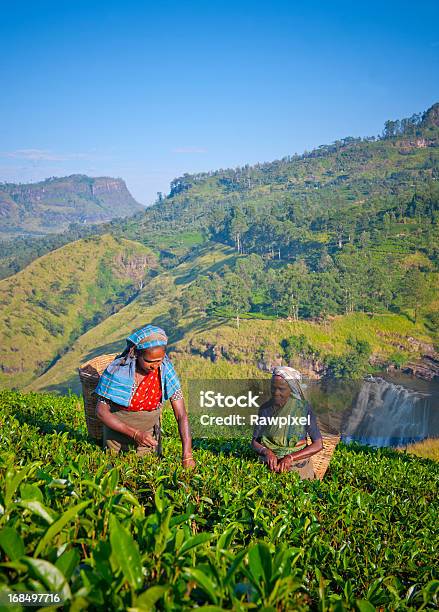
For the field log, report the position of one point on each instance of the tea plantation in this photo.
(141, 534)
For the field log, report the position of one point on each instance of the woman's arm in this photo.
(265, 410)
(104, 413)
(183, 429)
(262, 450)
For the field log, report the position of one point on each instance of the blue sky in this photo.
(147, 91)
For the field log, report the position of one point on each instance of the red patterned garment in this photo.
(148, 394)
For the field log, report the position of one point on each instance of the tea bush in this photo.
(118, 533)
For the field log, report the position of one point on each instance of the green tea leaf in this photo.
(109, 481)
(126, 553)
(181, 518)
(67, 562)
(11, 543)
(430, 590)
(147, 600)
(13, 480)
(201, 538)
(130, 497)
(56, 527)
(50, 575)
(17, 565)
(5, 591)
(208, 585)
(31, 491)
(235, 565)
(164, 532)
(259, 557)
(364, 606)
(225, 539)
(159, 499)
(38, 508)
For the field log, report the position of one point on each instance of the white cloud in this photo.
(185, 150)
(42, 155)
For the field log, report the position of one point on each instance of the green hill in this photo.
(152, 305)
(52, 205)
(334, 253)
(336, 190)
(60, 295)
(213, 346)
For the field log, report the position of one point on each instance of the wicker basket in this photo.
(321, 460)
(89, 374)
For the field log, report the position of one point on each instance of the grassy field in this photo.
(427, 448)
(151, 306)
(47, 305)
(118, 533)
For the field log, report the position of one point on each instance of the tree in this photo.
(325, 262)
(415, 291)
(324, 295)
(236, 295)
(251, 270)
(295, 346)
(352, 274)
(391, 129)
(353, 363)
(289, 289)
(237, 227)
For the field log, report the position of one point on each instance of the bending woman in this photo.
(284, 447)
(132, 391)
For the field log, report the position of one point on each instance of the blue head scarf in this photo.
(117, 381)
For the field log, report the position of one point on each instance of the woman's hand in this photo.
(144, 439)
(285, 464)
(271, 460)
(188, 462)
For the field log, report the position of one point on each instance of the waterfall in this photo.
(387, 414)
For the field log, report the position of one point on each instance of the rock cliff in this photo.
(51, 205)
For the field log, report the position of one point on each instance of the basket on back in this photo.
(321, 460)
(89, 374)
(330, 423)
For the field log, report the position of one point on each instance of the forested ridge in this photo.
(61, 295)
(350, 227)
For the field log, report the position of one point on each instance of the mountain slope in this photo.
(338, 245)
(152, 305)
(212, 347)
(341, 189)
(60, 295)
(52, 205)
(349, 180)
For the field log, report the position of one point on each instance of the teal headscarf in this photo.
(117, 381)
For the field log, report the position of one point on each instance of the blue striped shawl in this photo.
(117, 381)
